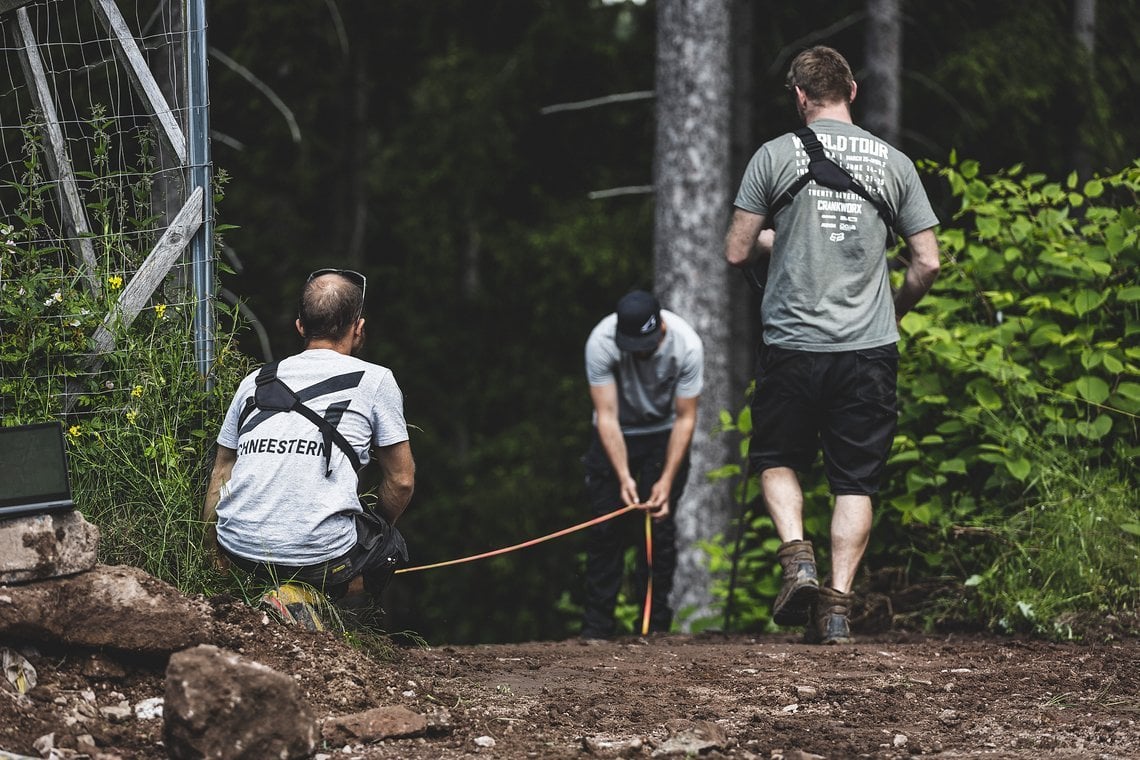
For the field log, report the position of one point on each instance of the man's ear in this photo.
(359, 329)
(300, 329)
(854, 89)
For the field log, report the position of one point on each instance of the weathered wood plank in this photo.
(152, 272)
(58, 161)
(9, 5)
(140, 75)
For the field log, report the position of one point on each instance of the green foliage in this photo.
(1020, 367)
(1018, 399)
(136, 415)
(1061, 566)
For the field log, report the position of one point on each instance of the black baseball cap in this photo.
(638, 322)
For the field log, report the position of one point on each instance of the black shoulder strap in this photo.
(828, 173)
(272, 395)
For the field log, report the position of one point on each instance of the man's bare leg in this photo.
(785, 502)
(800, 586)
(850, 531)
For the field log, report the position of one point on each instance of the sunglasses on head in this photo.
(356, 278)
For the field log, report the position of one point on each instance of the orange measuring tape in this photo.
(649, 580)
(563, 532)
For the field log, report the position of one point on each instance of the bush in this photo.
(136, 415)
(1018, 402)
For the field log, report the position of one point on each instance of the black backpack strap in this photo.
(828, 173)
(273, 395)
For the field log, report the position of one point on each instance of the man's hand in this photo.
(658, 501)
(629, 491)
(218, 557)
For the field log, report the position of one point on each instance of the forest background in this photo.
(429, 146)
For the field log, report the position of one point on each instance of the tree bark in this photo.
(882, 94)
(1084, 30)
(691, 278)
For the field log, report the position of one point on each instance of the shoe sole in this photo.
(795, 608)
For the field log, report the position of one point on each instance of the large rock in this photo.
(221, 706)
(113, 607)
(46, 546)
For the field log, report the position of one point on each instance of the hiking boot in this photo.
(294, 605)
(801, 585)
(828, 623)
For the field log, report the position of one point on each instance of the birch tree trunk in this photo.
(881, 92)
(691, 278)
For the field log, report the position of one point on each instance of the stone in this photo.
(215, 707)
(38, 547)
(112, 607)
(390, 722)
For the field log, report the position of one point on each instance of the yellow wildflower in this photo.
(115, 281)
(132, 415)
(74, 431)
(136, 391)
(160, 310)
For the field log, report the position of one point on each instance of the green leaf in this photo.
(1133, 528)
(1112, 364)
(1092, 389)
(1130, 391)
(988, 227)
(1094, 188)
(956, 466)
(1086, 300)
(1097, 429)
(1130, 294)
(1019, 468)
(985, 394)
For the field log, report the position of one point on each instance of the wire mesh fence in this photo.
(97, 205)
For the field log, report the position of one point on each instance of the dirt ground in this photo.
(888, 696)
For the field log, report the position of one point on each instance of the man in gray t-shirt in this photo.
(645, 368)
(282, 500)
(827, 369)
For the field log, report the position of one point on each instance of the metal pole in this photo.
(198, 139)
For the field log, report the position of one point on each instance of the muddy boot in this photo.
(801, 586)
(828, 623)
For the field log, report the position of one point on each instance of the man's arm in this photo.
(921, 271)
(605, 398)
(223, 468)
(397, 479)
(743, 244)
(679, 440)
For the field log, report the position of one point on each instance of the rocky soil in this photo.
(888, 696)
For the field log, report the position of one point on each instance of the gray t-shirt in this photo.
(278, 506)
(648, 388)
(828, 286)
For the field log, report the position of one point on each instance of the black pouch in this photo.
(381, 551)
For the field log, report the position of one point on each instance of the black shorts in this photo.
(379, 551)
(843, 401)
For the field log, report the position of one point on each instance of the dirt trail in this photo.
(888, 696)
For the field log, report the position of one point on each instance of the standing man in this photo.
(283, 492)
(827, 368)
(645, 367)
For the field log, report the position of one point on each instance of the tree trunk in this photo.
(742, 322)
(691, 278)
(1084, 30)
(882, 93)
